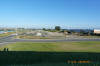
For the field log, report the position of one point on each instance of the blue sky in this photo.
(49, 13)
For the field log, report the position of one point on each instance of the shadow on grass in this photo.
(29, 57)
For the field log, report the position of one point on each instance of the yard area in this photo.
(85, 46)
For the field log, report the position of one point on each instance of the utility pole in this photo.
(16, 32)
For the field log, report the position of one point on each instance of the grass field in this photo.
(40, 37)
(85, 53)
(6, 34)
(86, 46)
(33, 37)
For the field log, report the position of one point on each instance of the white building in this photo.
(96, 31)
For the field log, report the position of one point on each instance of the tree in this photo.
(58, 28)
(44, 29)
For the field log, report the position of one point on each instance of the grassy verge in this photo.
(59, 37)
(90, 36)
(38, 37)
(33, 37)
(88, 46)
(6, 34)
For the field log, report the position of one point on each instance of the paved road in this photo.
(10, 39)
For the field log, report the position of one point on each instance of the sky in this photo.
(50, 13)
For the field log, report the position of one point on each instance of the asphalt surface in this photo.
(10, 39)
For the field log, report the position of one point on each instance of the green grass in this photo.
(32, 37)
(90, 36)
(6, 34)
(86, 46)
(38, 37)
